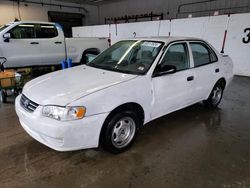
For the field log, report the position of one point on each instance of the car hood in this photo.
(63, 87)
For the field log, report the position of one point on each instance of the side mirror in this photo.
(6, 37)
(1, 68)
(2, 61)
(167, 69)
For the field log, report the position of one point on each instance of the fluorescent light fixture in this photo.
(22, 25)
(47, 26)
(97, 1)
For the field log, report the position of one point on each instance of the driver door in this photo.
(23, 48)
(174, 90)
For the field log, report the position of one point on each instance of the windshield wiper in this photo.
(116, 69)
(106, 67)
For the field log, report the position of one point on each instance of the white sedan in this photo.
(106, 101)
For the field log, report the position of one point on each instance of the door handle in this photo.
(58, 42)
(217, 70)
(34, 43)
(190, 78)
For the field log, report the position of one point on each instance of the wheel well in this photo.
(135, 107)
(129, 106)
(222, 81)
(93, 51)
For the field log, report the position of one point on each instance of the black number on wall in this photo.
(246, 39)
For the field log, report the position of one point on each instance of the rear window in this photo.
(47, 31)
(202, 54)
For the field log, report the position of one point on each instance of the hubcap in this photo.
(217, 93)
(123, 132)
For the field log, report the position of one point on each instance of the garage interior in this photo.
(192, 147)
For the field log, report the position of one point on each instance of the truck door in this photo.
(52, 44)
(23, 48)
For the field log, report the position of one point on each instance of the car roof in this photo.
(166, 39)
(30, 22)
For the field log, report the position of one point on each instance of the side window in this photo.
(202, 54)
(176, 56)
(47, 31)
(23, 31)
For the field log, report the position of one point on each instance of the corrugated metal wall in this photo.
(174, 9)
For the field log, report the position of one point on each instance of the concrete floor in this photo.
(194, 147)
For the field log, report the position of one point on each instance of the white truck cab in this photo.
(29, 43)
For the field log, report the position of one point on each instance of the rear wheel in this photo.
(215, 96)
(120, 131)
(3, 96)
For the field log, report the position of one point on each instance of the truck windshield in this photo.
(3, 27)
(130, 56)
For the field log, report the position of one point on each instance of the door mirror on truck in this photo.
(2, 61)
(6, 37)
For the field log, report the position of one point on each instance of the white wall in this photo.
(9, 11)
(211, 29)
(239, 51)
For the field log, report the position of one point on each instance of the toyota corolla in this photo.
(107, 100)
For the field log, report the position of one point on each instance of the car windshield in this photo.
(3, 27)
(130, 56)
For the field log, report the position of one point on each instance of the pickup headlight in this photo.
(64, 113)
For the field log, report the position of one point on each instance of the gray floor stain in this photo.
(193, 147)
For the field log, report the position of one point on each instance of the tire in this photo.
(120, 131)
(3, 96)
(215, 96)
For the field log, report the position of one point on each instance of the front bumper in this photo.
(61, 135)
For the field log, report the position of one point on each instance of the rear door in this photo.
(52, 44)
(206, 69)
(24, 48)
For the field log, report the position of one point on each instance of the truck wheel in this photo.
(120, 132)
(3, 96)
(215, 96)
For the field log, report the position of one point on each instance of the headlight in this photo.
(64, 113)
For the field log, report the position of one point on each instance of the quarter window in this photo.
(23, 31)
(47, 31)
(202, 54)
(176, 56)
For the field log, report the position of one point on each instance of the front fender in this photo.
(137, 90)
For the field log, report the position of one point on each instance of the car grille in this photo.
(27, 104)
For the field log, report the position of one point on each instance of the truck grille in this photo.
(27, 104)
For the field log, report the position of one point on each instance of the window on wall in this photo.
(47, 31)
(23, 31)
(177, 56)
(202, 54)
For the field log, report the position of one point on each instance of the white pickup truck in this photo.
(29, 43)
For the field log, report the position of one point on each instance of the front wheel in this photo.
(120, 132)
(215, 96)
